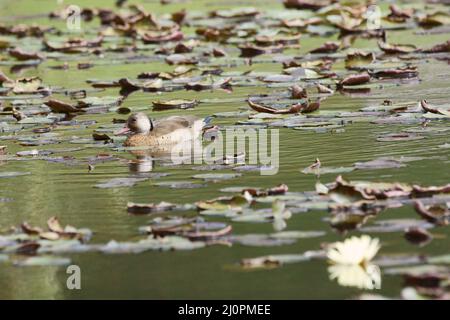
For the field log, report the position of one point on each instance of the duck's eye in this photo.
(133, 120)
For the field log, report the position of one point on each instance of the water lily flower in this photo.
(351, 262)
(280, 215)
(354, 251)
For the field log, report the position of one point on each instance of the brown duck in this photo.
(143, 132)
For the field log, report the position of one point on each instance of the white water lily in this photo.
(280, 215)
(368, 277)
(354, 251)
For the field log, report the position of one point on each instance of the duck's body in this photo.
(164, 132)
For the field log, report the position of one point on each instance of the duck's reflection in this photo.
(189, 152)
(141, 164)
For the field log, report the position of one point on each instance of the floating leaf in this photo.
(216, 176)
(42, 261)
(272, 261)
(417, 236)
(12, 174)
(174, 104)
(119, 182)
(146, 208)
(61, 107)
(380, 163)
(438, 214)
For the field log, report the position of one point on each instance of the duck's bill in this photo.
(122, 131)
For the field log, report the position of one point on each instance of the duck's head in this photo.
(137, 123)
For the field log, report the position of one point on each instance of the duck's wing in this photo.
(170, 124)
(181, 120)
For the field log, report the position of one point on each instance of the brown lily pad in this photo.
(22, 55)
(355, 79)
(146, 208)
(59, 106)
(438, 214)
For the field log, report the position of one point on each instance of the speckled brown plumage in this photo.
(166, 131)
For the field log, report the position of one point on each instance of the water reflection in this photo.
(141, 164)
(189, 152)
(362, 277)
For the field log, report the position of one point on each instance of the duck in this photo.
(144, 132)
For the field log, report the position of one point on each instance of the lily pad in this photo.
(12, 174)
(216, 176)
(119, 182)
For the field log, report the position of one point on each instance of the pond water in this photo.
(66, 189)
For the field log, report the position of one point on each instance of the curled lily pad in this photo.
(174, 104)
(399, 73)
(396, 48)
(438, 214)
(355, 80)
(61, 107)
(197, 234)
(295, 108)
(22, 55)
(298, 92)
(428, 108)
